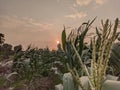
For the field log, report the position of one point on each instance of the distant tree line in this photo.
(6, 49)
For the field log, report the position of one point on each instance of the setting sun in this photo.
(58, 42)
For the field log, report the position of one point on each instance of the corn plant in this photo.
(78, 38)
(28, 63)
(99, 62)
(115, 58)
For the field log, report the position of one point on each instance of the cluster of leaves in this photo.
(33, 63)
(98, 54)
(36, 60)
(85, 50)
(78, 38)
(114, 62)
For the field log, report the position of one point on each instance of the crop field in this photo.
(74, 65)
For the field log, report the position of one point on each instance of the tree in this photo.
(17, 48)
(7, 50)
(1, 38)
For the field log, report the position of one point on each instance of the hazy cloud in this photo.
(100, 1)
(24, 23)
(26, 31)
(58, 1)
(87, 2)
(76, 15)
(83, 2)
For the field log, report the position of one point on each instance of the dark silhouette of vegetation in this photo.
(18, 48)
(1, 39)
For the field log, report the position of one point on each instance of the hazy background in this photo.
(40, 22)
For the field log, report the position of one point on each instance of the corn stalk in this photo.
(98, 65)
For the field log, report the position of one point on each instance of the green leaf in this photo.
(83, 34)
(64, 39)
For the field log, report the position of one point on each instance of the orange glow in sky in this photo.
(58, 42)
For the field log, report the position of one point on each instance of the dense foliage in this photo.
(96, 60)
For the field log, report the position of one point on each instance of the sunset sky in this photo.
(40, 22)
